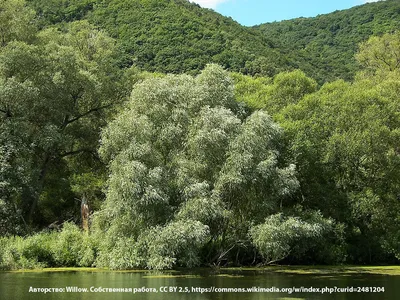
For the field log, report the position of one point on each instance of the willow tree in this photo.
(192, 169)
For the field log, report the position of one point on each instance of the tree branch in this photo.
(69, 153)
(69, 121)
(6, 112)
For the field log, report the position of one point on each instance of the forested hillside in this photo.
(108, 158)
(324, 46)
(169, 36)
(178, 36)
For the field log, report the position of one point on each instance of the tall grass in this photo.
(69, 248)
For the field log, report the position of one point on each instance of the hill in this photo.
(176, 36)
(169, 36)
(324, 46)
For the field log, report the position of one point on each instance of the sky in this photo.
(253, 12)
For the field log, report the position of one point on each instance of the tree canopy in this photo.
(53, 92)
(185, 155)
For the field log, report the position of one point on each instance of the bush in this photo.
(162, 247)
(73, 248)
(178, 243)
(37, 248)
(69, 248)
(282, 236)
(20, 253)
(119, 254)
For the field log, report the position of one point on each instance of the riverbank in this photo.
(298, 270)
(328, 270)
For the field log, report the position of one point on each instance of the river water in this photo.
(198, 285)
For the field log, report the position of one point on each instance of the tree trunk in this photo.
(85, 214)
(40, 186)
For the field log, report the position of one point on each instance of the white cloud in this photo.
(208, 3)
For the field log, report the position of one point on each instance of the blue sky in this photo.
(253, 12)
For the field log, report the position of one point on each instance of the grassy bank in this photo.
(326, 270)
(298, 270)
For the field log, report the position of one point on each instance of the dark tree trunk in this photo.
(39, 189)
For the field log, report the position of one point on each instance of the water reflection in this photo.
(188, 286)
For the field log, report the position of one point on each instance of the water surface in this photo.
(195, 285)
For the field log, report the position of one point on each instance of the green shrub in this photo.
(119, 254)
(38, 248)
(20, 253)
(177, 243)
(68, 248)
(162, 247)
(280, 236)
(73, 248)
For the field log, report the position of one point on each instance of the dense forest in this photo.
(158, 134)
(324, 47)
(180, 37)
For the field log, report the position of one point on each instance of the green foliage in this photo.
(289, 88)
(178, 243)
(58, 11)
(73, 248)
(178, 36)
(380, 54)
(250, 180)
(68, 248)
(198, 175)
(168, 36)
(53, 100)
(324, 47)
(252, 90)
(10, 215)
(184, 154)
(16, 22)
(10, 224)
(278, 236)
(344, 139)
(28, 253)
(273, 95)
(119, 253)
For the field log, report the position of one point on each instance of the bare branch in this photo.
(69, 121)
(69, 153)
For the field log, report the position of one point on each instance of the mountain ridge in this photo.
(178, 36)
(324, 46)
